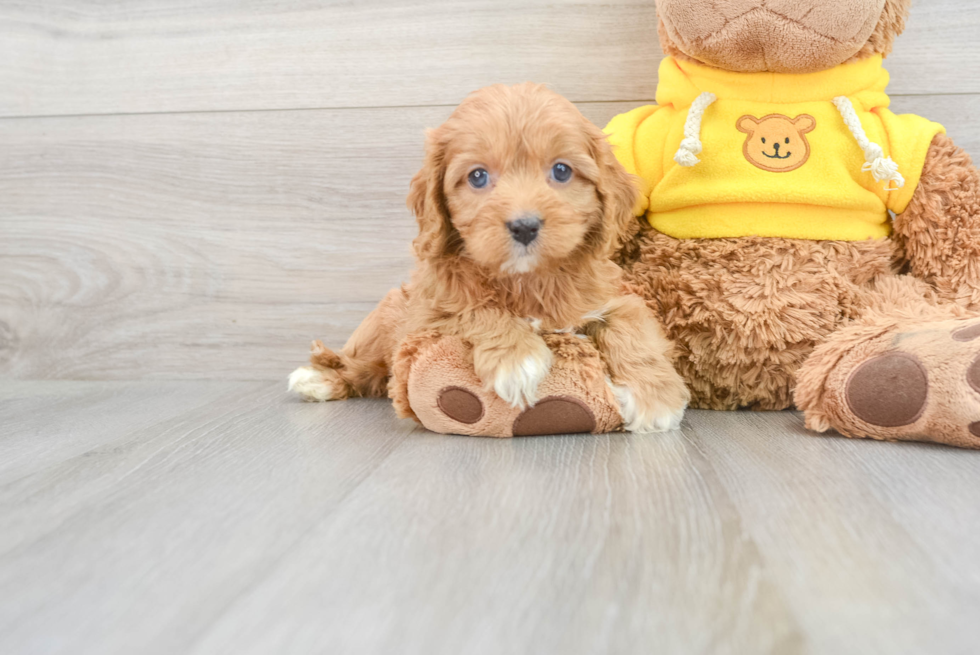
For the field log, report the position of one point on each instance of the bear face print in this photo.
(777, 143)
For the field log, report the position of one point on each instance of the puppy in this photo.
(520, 204)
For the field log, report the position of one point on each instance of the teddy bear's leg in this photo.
(940, 229)
(433, 381)
(908, 370)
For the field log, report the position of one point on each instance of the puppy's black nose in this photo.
(776, 146)
(525, 230)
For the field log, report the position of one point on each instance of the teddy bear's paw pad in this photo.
(555, 415)
(461, 405)
(973, 375)
(967, 334)
(919, 382)
(890, 390)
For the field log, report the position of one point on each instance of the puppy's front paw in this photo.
(645, 416)
(317, 385)
(517, 377)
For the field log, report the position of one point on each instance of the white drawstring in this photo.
(691, 146)
(884, 169)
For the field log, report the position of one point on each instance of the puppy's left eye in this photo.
(561, 173)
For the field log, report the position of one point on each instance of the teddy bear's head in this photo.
(779, 36)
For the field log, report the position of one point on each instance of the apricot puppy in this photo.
(520, 203)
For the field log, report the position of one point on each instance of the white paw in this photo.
(311, 385)
(654, 418)
(517, 381)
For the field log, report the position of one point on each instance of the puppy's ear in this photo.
(428, 202)
(618, 191)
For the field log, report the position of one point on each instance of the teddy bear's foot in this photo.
(552, 415)
(915, 382)
(445, 395)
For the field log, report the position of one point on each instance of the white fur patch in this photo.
(523, 260)
(518, 385)
(595, 316)
(657, 418)
(598, 315)
(311, 385)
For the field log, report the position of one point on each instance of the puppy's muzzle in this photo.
(525, 230)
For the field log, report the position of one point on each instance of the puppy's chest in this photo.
(557, 308)
(570, 319)
(577, 326)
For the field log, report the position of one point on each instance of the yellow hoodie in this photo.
(775, 155)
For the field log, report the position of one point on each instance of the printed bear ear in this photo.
(805, 123)
(747, 124)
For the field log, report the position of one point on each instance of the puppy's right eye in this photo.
(479, 179)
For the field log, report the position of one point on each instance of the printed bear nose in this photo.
(525, 230)
(776, 146)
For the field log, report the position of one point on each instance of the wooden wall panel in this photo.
(216, 245)
(169, 209)
(70, 57)
(152, 56)
(201, 245)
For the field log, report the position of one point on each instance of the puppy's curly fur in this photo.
(476, 279)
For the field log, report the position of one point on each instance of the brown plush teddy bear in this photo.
(771, 168)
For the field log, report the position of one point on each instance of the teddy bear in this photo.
(802, 245)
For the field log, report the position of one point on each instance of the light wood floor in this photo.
(226, 517)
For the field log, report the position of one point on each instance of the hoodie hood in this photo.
(865, 82)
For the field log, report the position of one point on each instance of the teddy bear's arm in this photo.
(940, 230)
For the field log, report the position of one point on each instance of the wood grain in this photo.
(563, 543)
(135, 534)
(224, 517)
(216, 246)
(201, 245)
(71, 57)
(886, 519)
(193, 191)
(94, 58)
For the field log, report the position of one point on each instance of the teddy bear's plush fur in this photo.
(877, 338)
(761, 320)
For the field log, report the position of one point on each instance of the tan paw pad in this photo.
(461, 405)
(890, 390)
(967, 334)
(555, 415)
